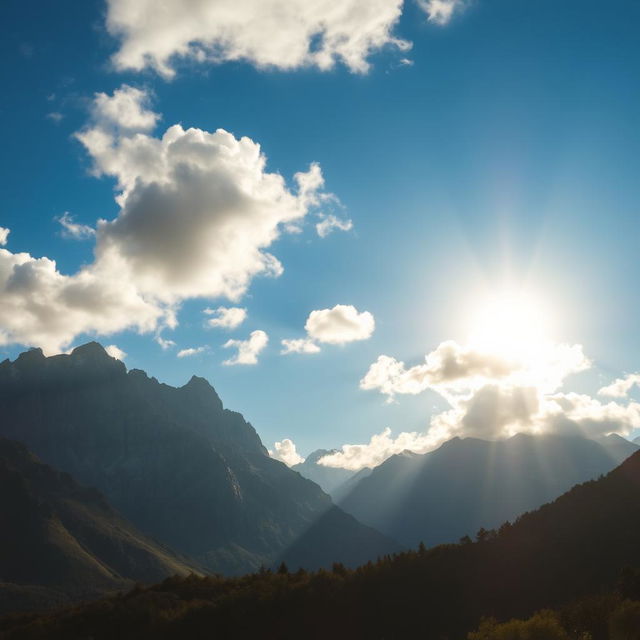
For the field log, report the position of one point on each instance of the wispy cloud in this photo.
(441, 11)
(331, 223)
(115, 352)
(192, 351)
(247, 350)
(74, 230)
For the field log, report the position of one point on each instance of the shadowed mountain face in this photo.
(468, 484)
(172, 460)
(329, 478)
(574, 547)
(59, 540)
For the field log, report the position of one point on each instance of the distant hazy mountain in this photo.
(172, 460)
(59, 540)
(468, 484)
(637, 441)
(343, 490)
(329, 478)
(575, 547)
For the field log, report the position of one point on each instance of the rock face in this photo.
(468, 484)
(172, 460)
(329, 478)
(60, 541)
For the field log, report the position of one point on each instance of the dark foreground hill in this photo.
(60, 541)
(467, 484)
(174, 462)
(571, 548)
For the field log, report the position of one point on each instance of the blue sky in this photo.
(504, 155)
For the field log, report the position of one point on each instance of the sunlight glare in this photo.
(512, 324)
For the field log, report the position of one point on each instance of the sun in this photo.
(514, 324)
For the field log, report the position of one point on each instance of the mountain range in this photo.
(468, 484)
(175, 463)
(329, 478)
(576, 547)
(60, 541)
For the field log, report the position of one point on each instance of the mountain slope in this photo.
(61, 540)
(574, 547)
(468, 484)
(172, 460)
(329, 478)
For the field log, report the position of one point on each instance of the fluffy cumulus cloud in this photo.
(441, 11)
(331, 223)
(226, 317)
(115, 352)
(74, 230)
(285, 451)
(281, 34)
(4, 235)
(453, 367)
(43, 307)
(247, 350)
(491, 396)
(198, 212)
(191, 351)
(621, 387)
(342, 324)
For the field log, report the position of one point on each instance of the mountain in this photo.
(61, 541)
(343, 490)
(468, 483)
(637, 441)
(576, 547)
(173, 461)
(329, 478)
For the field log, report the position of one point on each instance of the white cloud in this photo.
(42, 307)
(378, 449)
(455, 368)
(441, 11)
(55, 116)
(285, 451)
(198, 212)
(281, 34)
(164, 343)
(490, 396)
(74, 230)
(226, 317)
(343, 323)
(620, 388)
(186, 353)
(4, 236)
(248, 350)
(331, 223)
(496, 411)
(302, 345)
(115, 352)
(126, 110)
